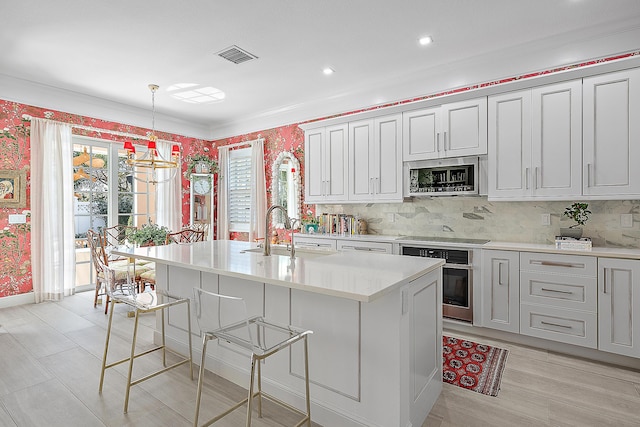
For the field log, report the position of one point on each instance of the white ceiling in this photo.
(97, 57)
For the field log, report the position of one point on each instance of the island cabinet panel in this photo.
(333, 321)
(619, 306)
(611, 107)
(175, 277)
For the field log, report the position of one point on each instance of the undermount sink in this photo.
(300, 252)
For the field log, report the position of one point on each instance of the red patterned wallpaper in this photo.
(15, 250)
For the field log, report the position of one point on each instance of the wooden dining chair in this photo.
(186, 235)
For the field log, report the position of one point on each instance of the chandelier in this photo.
(152, 159)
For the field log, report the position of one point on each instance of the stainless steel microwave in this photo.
(457, 176)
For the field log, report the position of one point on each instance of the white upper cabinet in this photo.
(451, 130)
(375, 159)
(421, 133)
(611, 144)
(326, 164)
(464, 126)
(535, 140)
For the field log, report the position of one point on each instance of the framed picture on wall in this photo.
(13, 189)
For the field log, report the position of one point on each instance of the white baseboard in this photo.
(20, 299)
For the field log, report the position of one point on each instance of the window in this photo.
(239, 189)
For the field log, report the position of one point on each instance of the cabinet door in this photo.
(501, 290)
(611, 130)
(619, 306)
(421, 134)
(464, 126)
(335, 167)
(556, 140)
(387, 166)
(361, 160)
(509, 160)
(314, 181)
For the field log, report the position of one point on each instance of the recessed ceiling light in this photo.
(328, 71)
(195, 94)
(425, 40)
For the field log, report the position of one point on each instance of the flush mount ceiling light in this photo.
(152, 159)
(196, 94)
(328, 71)
(425, 40)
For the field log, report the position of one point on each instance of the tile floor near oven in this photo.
(50, 357)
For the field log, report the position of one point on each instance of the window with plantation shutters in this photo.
(239, 189)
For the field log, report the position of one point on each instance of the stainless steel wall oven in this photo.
(457, 277)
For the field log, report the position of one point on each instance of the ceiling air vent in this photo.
(236, 55)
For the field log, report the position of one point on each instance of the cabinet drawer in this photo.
(348, 245)
(568, 326)
(310, 242)
(557, 263)
(572, 292)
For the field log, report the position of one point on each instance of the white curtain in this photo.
(258, 192)
(223, 205)
(168, 195)
(52, 216)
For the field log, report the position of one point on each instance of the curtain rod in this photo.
(114, 132)
(240, 144)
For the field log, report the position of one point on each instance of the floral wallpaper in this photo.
(15, 249)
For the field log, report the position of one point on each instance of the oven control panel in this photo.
(451, 256)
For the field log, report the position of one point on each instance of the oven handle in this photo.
(458, 266)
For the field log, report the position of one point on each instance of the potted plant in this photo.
(200, 163)
(579, 213)
(148, 235)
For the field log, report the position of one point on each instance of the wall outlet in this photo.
(17, 219)
(626, 220)
(391, 217)
(545, 219)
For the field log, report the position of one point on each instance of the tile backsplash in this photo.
(476, 217)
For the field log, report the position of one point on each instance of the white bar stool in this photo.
(225, 318)
(122, 288)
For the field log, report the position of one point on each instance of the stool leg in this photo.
(259, 389)
(164, 353)
(133, 352)
(205, 340)
(306, 380)
(106, 349)
(189, 331)
(250, 401)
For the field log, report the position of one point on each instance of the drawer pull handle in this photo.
(556, 290)
(554, 324)
(557, 264)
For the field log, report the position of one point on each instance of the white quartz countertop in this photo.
(594, 251)
(353, 275)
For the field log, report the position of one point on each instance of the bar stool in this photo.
(122, 288)
(225, 318)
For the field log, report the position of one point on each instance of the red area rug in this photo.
(473, 366)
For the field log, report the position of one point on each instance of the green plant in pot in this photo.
(148, 235)
(579, 213)
(200, 163)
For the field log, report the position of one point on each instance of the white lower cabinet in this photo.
(500, 290)
(619, 306)
(314, 242)
(558, 298)
(378, 247)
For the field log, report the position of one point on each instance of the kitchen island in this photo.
(375, 354)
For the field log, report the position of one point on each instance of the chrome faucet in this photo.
(287, 225)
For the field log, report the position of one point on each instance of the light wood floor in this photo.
(50, 357)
